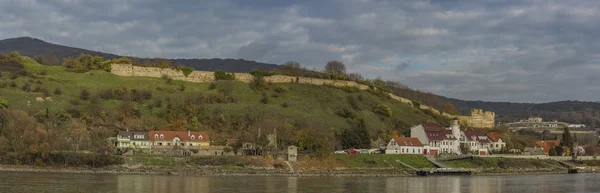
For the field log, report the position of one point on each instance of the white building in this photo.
(404, 145)
(497, 143)
(436, 139)
(477, 141)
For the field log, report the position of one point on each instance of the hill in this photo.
(568, 111)
(33, 47)
(225, 109)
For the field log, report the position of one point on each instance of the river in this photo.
(18, 182)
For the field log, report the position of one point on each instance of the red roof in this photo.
(439, 135)
(494, 136)
(546, 145)
(183, 135)
(477, 135)
(432, 127)
(408, 141)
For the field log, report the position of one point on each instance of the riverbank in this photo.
(337, 165)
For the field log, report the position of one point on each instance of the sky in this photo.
(491, 50)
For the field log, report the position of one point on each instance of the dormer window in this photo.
(200, 137)
(155, 135)
(193, 137)
(162, 136)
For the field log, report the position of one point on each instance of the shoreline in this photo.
(213, 172)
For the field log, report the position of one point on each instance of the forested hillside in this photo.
(94, 103)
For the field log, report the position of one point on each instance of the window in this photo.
(160, 144)
(413, 150)
(155, 135)
(200, 137)
(193, 137)
(191, 144)
(162, 136)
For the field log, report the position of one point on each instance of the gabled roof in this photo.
(439, 135)
(432, 127)
(547, 144)
(408, 141)
(182, 135)
(495, 137)
(134, 135)
(473, 135)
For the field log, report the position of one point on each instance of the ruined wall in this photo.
(478, 118)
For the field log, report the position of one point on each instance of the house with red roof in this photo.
(182, 139)
(477, 141)
(497, 143)
(404, 145)
(437, 139)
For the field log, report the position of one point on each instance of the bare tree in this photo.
(355, 77)
(292, 68)
(335, 67)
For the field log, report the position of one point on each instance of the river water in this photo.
(16, 182)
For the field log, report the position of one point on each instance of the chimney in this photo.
(455, 122)
(189, 133)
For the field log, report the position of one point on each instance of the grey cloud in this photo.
(256, 50)
(484, 50)
(401, 67)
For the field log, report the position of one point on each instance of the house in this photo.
(477, 141)
(547, 145)
(178, 139)
(436, 139)
(132, 140)
(497, 143)
(404, 145)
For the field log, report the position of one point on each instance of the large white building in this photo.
(404, 145)
(439, 140)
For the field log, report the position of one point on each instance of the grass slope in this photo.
(304, 102)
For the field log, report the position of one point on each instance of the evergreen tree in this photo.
(357, 136)
(558, 150)
(552, 152)
(566, 140)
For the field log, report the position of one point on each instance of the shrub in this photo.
(220, 75)
(383, 110)
(58, 91)
(169, 80)
(85, 63)
(43, 72)
(416, 104)
(353, 103)
(45, 92)
(285, 105)
(164, 76)
(346, 113)
(186, 70)
(3, 85)
(3, 104)
(279, 90)
(227, 149)
(74, 102)
(212, 86)
(26, 87)
(275, 95)
(181, 88)
(37, 89)
(13, 84)
(84, 95)
(265, 98)
(261, 73)
(258, 83)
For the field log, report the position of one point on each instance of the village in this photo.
(426, 139)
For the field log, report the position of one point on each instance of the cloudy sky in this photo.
(493, 50)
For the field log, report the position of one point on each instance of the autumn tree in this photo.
(16, 124)
(335, 68)
(450, 109)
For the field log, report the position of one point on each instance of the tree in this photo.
(335, 68)
(357, 136)
(450, 109)
(566, 140)
(559, 150)
(355, 77)
(292, 68)
(552, 152)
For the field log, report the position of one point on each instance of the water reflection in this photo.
(47, 182)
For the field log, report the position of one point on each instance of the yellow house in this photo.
(179, 139)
